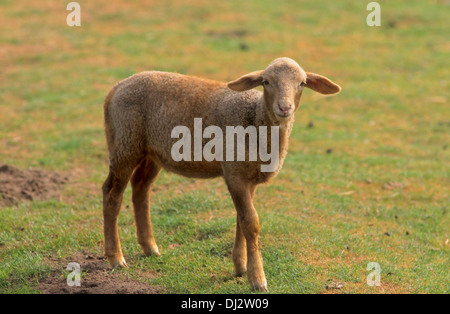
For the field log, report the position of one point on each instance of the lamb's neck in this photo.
(264, 117)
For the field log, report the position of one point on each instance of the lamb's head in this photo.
(283, 81)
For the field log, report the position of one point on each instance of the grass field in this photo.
(366, 178)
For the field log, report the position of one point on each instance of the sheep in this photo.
(140, 113)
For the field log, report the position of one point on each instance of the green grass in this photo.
(326, 215)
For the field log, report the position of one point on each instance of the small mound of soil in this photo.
(17, 185)
(96, 278)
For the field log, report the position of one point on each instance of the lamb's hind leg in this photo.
(113, 189)
(141, 183)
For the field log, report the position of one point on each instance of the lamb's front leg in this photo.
(240, 252)
(248, 223)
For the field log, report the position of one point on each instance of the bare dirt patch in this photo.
(18, 185)
(96, 278)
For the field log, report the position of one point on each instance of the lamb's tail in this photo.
(108, 130)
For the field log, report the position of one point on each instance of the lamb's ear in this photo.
(321, 84)
(247, 81)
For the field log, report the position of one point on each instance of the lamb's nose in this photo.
(284, 108)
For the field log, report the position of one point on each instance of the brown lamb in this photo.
(140, 114)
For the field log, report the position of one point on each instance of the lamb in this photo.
(140, 114)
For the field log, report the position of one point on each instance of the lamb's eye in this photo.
(265, 83)
(302, 84)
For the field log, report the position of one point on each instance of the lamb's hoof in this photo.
(154, 251)
(259, 286)
(241, 273)
(117, 262)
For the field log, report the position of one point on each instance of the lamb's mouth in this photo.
(283, 115)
